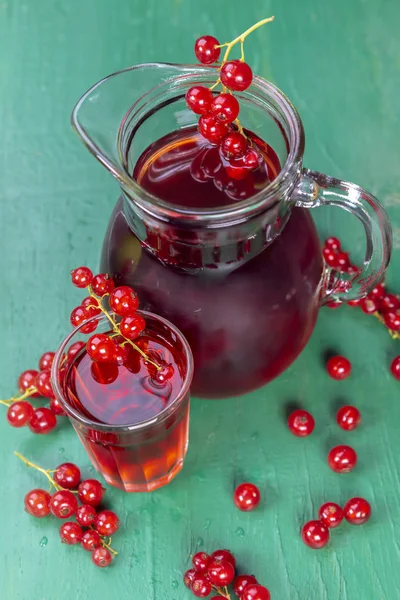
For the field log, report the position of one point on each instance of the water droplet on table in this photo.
(240, 532)
(255, 435)
(91, 469)
(61, 450)
(43, 541)
(207, 524)
(175, 584)
(200, 542)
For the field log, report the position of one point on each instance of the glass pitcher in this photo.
(243, 282)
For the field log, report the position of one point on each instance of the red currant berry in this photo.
(56, 407)
(78, 316)
(234, 145)
(20, 413)
(353, 270)
(315, 534)
(201, 587)
(342, 261)
(354, 302)
(43, 384)
(37, 503)
(251, 159)
(247, 496)
(107, 523)
(330, 257)
(369, 305)
(71, 533)
(121, 355)
(102, 284)
(332, 243)
(86, 515)
(91, 306)
(199, 99)
(333, 304)
(26, 380)
(342, 459)
(67, 476)
(46, 360)
(348, 418)
(63, 504)
(221, 573)
(338, 367)
(81, 277)
(189, 577)
(225, 108)
(241, 582)
(357, 511)
(395, 368)
(392, 319)
(224, 555)
(90, 491)
(101, 557)
(90, 540)
(164, 374)
(74, 349)
(206, 50)
(212, 129)
(124, 301)
(254, 591)
(200, 561)
(236, 75)
(330, 514)
(389, 302)
(132, 327)
(237, 173)
(377, 292)
(43, 421)
(301, 423)
(101, 348)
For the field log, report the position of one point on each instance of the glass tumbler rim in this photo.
(125, 428)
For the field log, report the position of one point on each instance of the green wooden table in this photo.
(339, 62)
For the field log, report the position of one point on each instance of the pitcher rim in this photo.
(284, 182)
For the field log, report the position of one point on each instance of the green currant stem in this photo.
(223, 592)
(28, 392)
(45, 472)
(215, 84)
(395, 335)
(108, 546)
(116, 328)
(242, 37)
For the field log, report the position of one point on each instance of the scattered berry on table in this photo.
(342, 459)
(331, 514)
(338, 367)
(348, 417)
(315, 534)
(301, 423)
(247, 496)
(357, 511)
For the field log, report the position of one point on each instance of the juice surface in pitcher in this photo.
(129, 394)
(246, 316)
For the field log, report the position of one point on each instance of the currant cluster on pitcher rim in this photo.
(219, 123)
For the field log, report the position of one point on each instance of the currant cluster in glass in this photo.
(34, 384)
(92, 528)
(215, 572)
(219, 123)
(112, 347)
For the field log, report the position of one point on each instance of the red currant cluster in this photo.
(379, 303)
(92, 529)
(216, 572)
(316, 534)
(113, 347)
(34, 384)
(218, 121)
(341, 459)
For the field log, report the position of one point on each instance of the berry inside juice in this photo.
(244, 294)
(134, 458)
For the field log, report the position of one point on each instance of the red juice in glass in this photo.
(133, 427)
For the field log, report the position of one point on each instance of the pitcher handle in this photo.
(316, 189)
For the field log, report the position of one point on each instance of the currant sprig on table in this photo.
(381, 304)
(215, 572)
(92, 529)
(219, 123)
(123, 303)
(34, 384)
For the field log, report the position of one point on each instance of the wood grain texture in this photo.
(339, 63)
